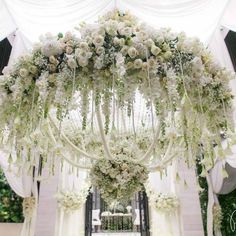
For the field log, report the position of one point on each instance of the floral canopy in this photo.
(121, 90)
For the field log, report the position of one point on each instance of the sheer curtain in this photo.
(23, 184)
(33, 18)
(70, 223)
(161, 223)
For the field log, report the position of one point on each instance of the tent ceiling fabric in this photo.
(33, 18)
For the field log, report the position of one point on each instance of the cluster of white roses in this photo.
(162, 202)
(72, 200)
(118, 179)
(166, 203)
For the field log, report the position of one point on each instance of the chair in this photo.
(137, 219)
(106, 213)
(96, 221)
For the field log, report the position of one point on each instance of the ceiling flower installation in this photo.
(120, 90)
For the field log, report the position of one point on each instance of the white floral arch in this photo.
(120, 91)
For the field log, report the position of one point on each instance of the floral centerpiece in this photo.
(118, 179)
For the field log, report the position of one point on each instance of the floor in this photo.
(116, 234)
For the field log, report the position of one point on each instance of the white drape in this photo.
(218, 48)
(70, 223)
(21, 182)
(7, 24)
(196, 18)
(229, 18)
(33, 18)
(161, 223)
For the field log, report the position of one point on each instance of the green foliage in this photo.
(203, 195)
(10, 203)
(228, 205)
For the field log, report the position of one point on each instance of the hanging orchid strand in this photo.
(101, 130)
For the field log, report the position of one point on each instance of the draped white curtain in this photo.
(161, 223)
(70, 223)
(21, 182)
(33, 18)
(196, 18)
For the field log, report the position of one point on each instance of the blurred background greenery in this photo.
(10, 203)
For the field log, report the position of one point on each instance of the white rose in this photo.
(124, 50)
(68, 36)
(127, 31)
(155, 50)
(100, 50)
(69, 50)
(167, 55)
(83, 62)
(144, 66)
(138, 63)
(152, 63)
(33, 69)
(98, 41)
(116, 41)
(132, 52)
(72, 63)
(23, 72)
(84, 46)
(149, 42)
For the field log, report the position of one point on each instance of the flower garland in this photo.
(118, 179)
(217, 217)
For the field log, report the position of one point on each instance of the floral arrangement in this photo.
(217, 217)
(115, 62)
(118, 179)
(166, 203)
(29, 204)
(162, 202)
(72, 200)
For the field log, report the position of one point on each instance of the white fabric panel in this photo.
(229, 18)
(217, 176)
(196, 18)
(22, 184)
(20, 46)
(20, 181)
(161, 223)
(38, 17)
(218, 48)
(7, 24)
(70, 223)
